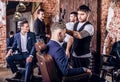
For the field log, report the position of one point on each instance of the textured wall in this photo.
(103, 19)
(114, 23)
(2, 32)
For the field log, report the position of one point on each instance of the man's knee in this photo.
(9, 59)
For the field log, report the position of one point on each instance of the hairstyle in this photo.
(84, 8)
(23, 22)
(40, 10)
(57, 25)
(75, 13)
(11, 33)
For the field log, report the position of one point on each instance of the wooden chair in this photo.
(50, 72)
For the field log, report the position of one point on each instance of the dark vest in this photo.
(81, 46)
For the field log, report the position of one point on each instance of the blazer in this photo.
(31, 40)
(59, 55)
(39, 27)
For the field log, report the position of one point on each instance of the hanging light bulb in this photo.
(21, 7)
(17, 15)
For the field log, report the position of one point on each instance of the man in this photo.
(55, 49)
(69, 26)
(10, 40)
(83, 32)
(24, 41)
(39, 26)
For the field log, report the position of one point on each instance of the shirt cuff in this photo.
(85, 69)
(31, 56)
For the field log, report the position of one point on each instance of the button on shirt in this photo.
(23, 42)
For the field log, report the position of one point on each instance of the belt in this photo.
(25, 52)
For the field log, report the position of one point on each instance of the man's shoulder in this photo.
(17, 34)
(31, 33)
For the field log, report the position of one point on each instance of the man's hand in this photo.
(68, 53)
(47, 35)
(29, 59)
(9, 53)
(89, 71)
(40, 46)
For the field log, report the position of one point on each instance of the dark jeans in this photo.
(20, 57)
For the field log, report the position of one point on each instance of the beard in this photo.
(82, 20)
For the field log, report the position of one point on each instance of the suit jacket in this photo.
(59, 55)
(39, 27)
(31, 40)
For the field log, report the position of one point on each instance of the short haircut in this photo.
(57, 25)
(84, 8)
(11, 33)
(75, 13)
(23, 22)
(40, 10)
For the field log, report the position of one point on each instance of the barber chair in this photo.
(50, 72)
(111, 63)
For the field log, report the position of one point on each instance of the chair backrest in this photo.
(48, 68)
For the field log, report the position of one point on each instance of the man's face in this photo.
(62, 35)
(82, 16)
(25, 27)
(41, 15)
(72, 17)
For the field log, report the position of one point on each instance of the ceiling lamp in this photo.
(17, 15)
(21, 7)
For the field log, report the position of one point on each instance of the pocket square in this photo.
(29, 38)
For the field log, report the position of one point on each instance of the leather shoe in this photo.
(17, 75)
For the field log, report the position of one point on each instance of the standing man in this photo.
(39, 26)
(24, 41)
(83, 32)
(69, 26)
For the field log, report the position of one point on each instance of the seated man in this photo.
(58, 53)
(10, 40)
(24, 41)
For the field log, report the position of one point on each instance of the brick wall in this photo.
(103, 20)
(115, 22)
(2, 32)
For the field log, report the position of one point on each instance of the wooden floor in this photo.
(5, 73)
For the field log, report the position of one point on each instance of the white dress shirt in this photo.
(23, 42)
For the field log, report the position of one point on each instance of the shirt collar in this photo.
(57, 42)
(22, 34)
